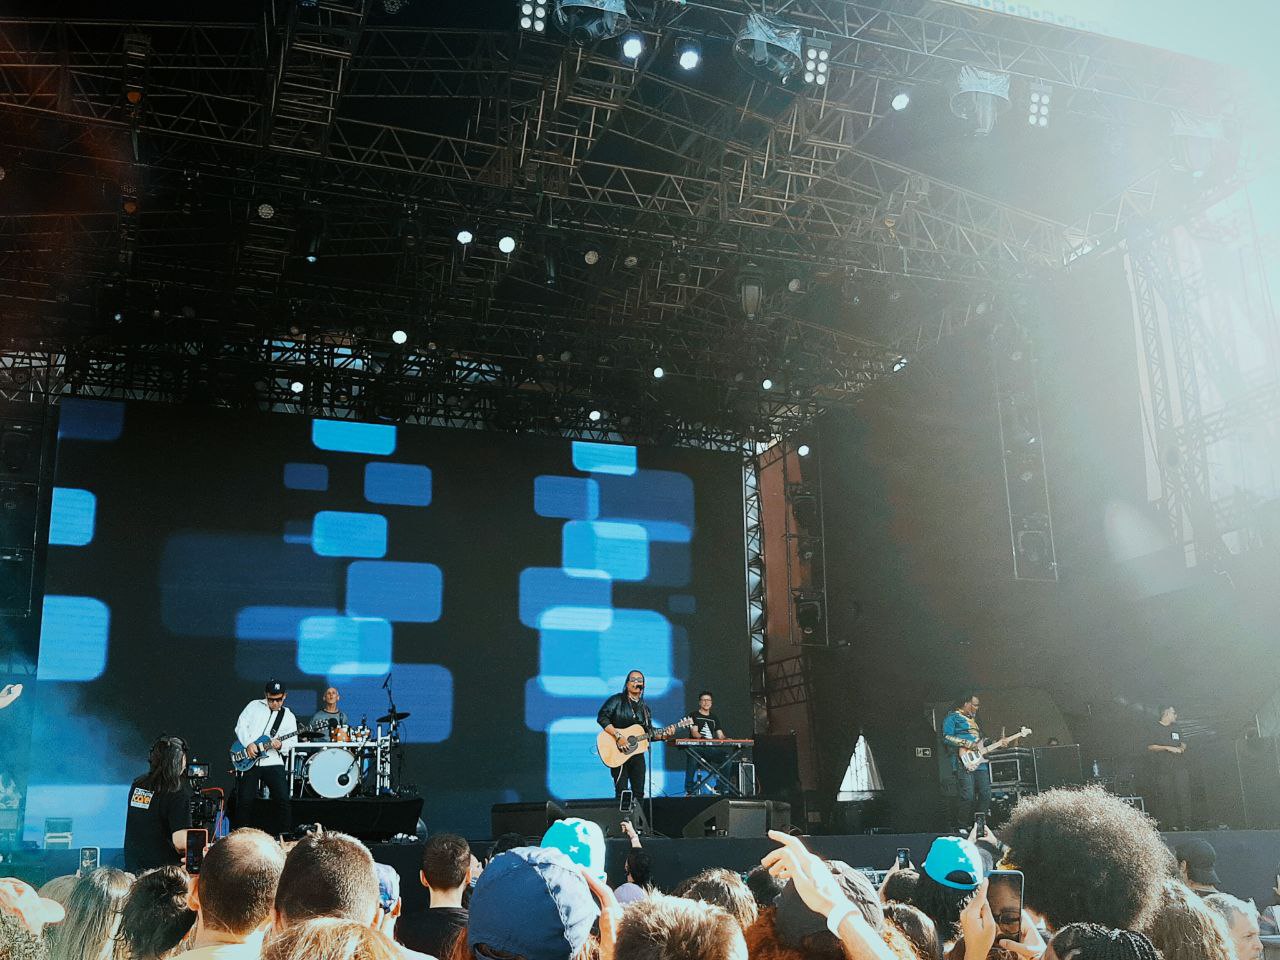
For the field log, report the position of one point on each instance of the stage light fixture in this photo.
(980, 97)
(768, 50)
(1038, 111)
(688, 53)
(533, 15)
(465, 236)
(817, 61)
(750, 289)
(658, 373)
(632, 46)
(900, 101)
(795, 285)
(899, 364)
(266, 211)
(592, 257)
(587, 21)
(118, 317)
(802, 450)
(630, 261)
(399, 337)
(507, 244)
(296, 386)
(766, 384)
(594, 416)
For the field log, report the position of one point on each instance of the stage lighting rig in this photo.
(688, 53)
(465, 236)
(507, 244)
(817, 61)
(1038, 111)
(901, 100)
(768, 50)
(751, 290)
(587, 21)
(980, 97)
(632, 46)
(533, 15)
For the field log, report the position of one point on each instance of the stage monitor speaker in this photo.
(526, 819)
(1258, 760)
(609, 816)
(1058, 767)
(739, 818)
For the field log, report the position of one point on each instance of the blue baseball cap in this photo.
(582, 841)
(954, 862)
(532, 902)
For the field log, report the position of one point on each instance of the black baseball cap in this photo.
(275, 688)
(1201, 859)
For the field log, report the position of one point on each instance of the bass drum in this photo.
(333, 773)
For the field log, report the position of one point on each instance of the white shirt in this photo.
(250, 950)
(256, 719)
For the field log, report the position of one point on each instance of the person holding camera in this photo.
(159, 814)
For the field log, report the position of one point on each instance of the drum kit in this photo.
(346, 761)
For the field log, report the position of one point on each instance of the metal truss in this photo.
(753, 542)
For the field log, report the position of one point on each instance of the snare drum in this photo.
(333, 772)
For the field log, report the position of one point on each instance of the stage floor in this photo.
(1247, 859)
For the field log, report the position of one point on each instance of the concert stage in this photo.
(1246, 858)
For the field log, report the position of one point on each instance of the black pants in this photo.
(974, 788)
(630, 776)
(1172, 783)
(273, 815)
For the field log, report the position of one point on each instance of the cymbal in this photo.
(395, 717)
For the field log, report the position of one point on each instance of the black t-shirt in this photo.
(432, 931)
(621, 712)
(149, 827)
(1170, 736)
(706, 726)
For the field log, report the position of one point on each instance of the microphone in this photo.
(386, 681)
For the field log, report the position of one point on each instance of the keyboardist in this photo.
(703, 725)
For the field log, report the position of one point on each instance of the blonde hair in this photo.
(330, 938)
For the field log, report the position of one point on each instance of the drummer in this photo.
(328, 718)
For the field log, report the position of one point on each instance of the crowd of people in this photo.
(1096, 882)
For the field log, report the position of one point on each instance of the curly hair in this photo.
(916, 927)
(723, 888)
(19, 943)
(1184, 927)
(1087, 857)
(764, 886)
(1092, 941)
(940, 904)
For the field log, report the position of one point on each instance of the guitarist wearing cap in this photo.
(960, 732)
(266, 727)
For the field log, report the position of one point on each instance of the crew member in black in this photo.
(155, 826)
(624, 710)
(1170, 781)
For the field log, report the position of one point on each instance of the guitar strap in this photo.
(279, 719)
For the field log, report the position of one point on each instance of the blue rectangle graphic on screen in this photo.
(351, 436)
(396, 591)
(570, 498)
(424, 690)
(101, 420)
(275, 623)
(542, 588)
(73, 639)
(306, 476)
(337, 533)
(619, 550)
(403, 484)
(604, 458)
(344, 646)
(71, 517)
(660, 500)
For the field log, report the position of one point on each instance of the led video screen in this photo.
(505, 585)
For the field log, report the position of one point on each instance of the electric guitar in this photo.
(240, 758)
(636, 739)
(976, 756)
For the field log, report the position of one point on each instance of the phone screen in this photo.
(626, 801)
(1004, 895)
(904, 857)
(980, 819)
(89, 858)
(197, 840)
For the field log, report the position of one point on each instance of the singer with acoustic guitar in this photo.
(969, 764)
(628, 731)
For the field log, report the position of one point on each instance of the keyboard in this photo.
(699, 742)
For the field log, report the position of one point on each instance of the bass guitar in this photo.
(637, 741)
(240, 758)
(974, 757)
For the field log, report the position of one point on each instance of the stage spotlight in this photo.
(1038, 111)
(750, 289)
(592, 257)
(768, 50)
(817, 61)
(802, 450)
(980, 96)
(507, 244)
(795, 285)
(399, 336)
(465, 236)
(632, 46)
(901, 101)
(313, 248)
(533, 15)
(630, 261)
(266, 211)
(594, 416)
(586, 21)
(688, 53)
(658, 373)
(296, 386)
(118, 316)
(899, 364)
(766, 384)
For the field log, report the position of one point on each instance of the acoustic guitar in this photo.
(637, 741)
